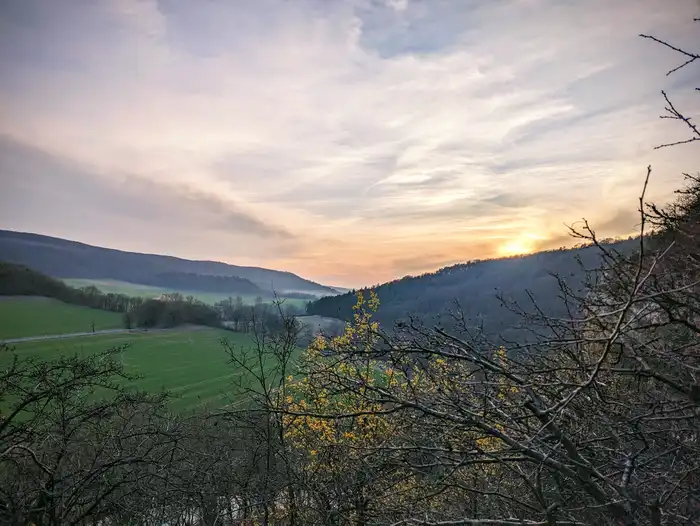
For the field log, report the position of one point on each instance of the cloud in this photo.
(58, 195)
(182, 204)
(345, 135)
(397, 5)
(623, 222)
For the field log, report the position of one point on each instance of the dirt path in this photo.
(77, 335)
(181, 328)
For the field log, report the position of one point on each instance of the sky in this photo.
(348, 141)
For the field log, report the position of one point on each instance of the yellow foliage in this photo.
(324, 437)
(341, 378)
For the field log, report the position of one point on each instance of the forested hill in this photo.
(61, 258)
(476, 285)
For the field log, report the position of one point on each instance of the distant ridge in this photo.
(62, 258)
(475, 285)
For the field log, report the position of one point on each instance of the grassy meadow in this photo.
(33, 316)
(190, 363)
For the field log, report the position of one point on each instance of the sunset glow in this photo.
(518, 246)
(350, 142)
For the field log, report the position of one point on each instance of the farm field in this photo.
(35, 316)
(147, 291)
(190, 363)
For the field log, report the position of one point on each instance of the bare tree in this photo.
(73, 441)
(265, 370)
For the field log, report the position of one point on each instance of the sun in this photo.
(522, 245)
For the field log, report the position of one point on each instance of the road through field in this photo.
(79, 335)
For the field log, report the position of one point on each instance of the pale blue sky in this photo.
(348, 141)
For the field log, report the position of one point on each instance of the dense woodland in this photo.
(593, 420)
(483, 290)
(202, 283)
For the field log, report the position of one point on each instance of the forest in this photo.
(482, 290)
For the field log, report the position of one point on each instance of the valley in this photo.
(147, 291)
(149, 275)
(517, 338)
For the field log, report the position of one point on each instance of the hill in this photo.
(476, 286)
(61, 258)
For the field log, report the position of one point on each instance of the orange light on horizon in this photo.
(522, 245)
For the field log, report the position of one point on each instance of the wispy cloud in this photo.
(347, 141)
(41, 189)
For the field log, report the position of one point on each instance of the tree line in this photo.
(242, 317)
(201, 282)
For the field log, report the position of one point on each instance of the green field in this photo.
(192, 364)
(33, 316)
(146, 291)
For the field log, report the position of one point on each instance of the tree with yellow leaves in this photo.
(341, 433)
(366, 454)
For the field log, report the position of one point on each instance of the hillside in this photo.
(476, 285)
(61, 258)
